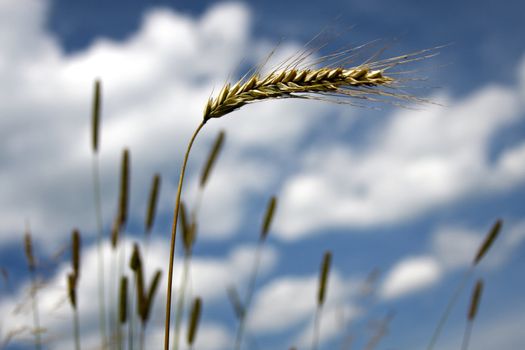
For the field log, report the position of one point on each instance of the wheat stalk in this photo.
(296, 78)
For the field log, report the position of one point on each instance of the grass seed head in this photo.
(212, 157)
(124, 189)
(72, 289)
(489, 240)
(268, 217)
(189, 229)
(75, 252)
(28, 248)
(194, 320)
(151, 294)
(152, 204)
(123, 300)
(475, 300)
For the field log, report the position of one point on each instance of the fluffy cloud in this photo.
(294, 300)
(415, 161)
(410, 275)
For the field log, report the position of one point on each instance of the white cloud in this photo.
(294, 300)
(410, 275)
(414, 162)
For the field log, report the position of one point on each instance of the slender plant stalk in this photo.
(321, 296)
(249, 296)
(76, 329)
(466, 336)
(449, 308)
(482, 251)
(180, 303)
(174, 236)
(317, 325)
(131, 323)
(98, 211)
(31, 264)
(36, 317)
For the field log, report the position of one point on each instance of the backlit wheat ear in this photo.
(295, 83)
(270, 209)
(152, 204)
(95, 118)
(212, 157)
(489, 240)
(194, 320)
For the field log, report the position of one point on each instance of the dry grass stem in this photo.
(489, 240)
(152, 203)
(212, 157)
(270, 209)
(194, 320)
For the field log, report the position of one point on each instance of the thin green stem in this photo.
(451, 303)
(317, 326)
(174, 236)
(100, 261)
(466, 335)
(131, 313)
(142, 334)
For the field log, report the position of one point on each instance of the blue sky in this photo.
(409, 192)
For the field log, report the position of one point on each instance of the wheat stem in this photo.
(100, 252)
(174, 236)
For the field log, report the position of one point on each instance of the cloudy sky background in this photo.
(409, 193)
